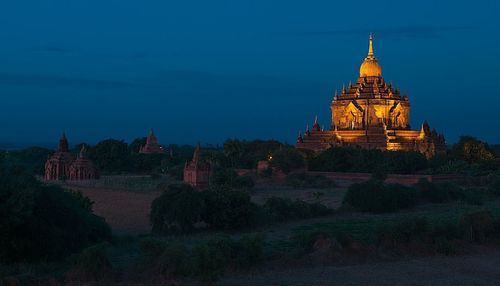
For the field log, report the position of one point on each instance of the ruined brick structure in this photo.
(152, 145)
(372, 114)
(197, 173)
(63, 166)
(57, 166)
(83, 168)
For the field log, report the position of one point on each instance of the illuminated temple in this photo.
(372, 114)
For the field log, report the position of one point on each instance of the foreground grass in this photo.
(125, 254)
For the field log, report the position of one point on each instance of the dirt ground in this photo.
(126, 209)
(126, 212)
(125, 201)
(481, 269)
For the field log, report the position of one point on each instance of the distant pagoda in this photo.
(196, 172)
(57, 166)
(152, 145)
(372, 114)
(83, 168)
(63, 166)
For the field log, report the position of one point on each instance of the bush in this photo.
(494, 187)
(432, 192)
(212, 257)
(342, 159)
(250, 250)
(92, 263)
(111, 156)
(223, 177)
(472, 196)
(472, 150)
(477, 226)
(166, 258)
(283, 209)
(377, 197)
(178, 208)
(60, 222)
(287, 160)
(439, 238)
(409, 230)
(228, 209)
(176, 172)
(243, 182)
(206, 260)
(305, 180)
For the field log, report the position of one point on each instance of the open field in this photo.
(477, 269)
(125, 202)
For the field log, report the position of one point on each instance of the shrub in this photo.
(404, 232)
(212, 257)
(283, 209)
(494, 187)
(111, 156)
(305, 180)
(477, 226)
(472, 196)
(176, 172)
(61, 224)
(375, 196)
(432, 192)
(472, 150)
(342, 159)
(179, 207)
(223, 177)
(444, 192)
(228, 209)
(92, 263)
(250, 250)
(243, 182)
(84, 201)
(287, 160)
(166, 257)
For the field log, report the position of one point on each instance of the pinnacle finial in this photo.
(370, 47)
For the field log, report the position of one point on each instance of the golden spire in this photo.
(370, 66)
(370, 47)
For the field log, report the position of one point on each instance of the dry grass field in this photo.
(124, 201)
(477, 269)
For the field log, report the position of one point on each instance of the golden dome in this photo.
(370, 66)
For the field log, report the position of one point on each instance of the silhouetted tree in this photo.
(472, 150)
(112, 156)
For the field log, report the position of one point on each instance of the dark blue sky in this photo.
(209, 70)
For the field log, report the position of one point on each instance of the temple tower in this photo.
(371, 113)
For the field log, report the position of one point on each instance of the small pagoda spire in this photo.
(299, 138)
(316, 124)
(63, 143)
(196, 154)
(370, 47)
(83, 152)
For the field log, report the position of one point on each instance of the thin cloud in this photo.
(51, 81)
(396, 33)
(52, 49)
